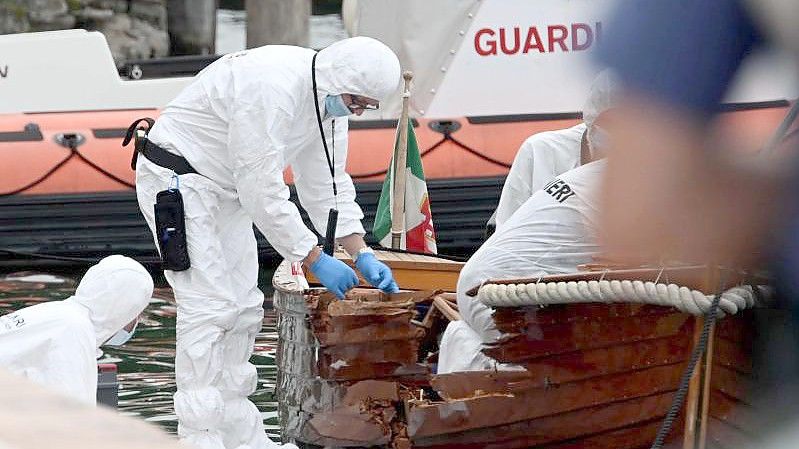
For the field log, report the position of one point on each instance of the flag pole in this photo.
(400, 161)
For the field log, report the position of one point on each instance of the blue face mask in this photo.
(121, 337)
(335, 106)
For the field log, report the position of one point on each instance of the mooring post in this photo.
(192, 26)
(278, 22)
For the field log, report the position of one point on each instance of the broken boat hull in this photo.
(353, 374)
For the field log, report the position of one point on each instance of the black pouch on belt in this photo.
(170, 224)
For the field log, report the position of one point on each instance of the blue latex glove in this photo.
(376, 273)
(334, 274)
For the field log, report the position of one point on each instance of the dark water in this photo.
(146, 364)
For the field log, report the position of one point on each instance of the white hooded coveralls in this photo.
(540, 158)
(55, 344)
(548, 154)
(552, 233)
(241, 123)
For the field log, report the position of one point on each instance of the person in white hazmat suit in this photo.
(548, 154)
(545, 223)
(240, 124)
(55, 343)
(552, 233)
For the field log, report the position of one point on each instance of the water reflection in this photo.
(146, 364)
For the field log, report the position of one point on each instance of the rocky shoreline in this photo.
(135, 29)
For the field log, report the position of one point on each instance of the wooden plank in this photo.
(420, 279)
(446, 309)
(451, 297)
(429, 318)
(626, 424)
(363, 416)
(724, 435)
(569, 367)
(516, 319)
(692, 425)
(733, 355)
(462, 385)
(408, 257)
(562, 338)
(733, 383)
(374, 370)
(735, 413)
(401, 351)
(636, 437)
(738, 328)
(33, 418)
(388, 255)
(366, 328)
(707, 375)
(497, 409)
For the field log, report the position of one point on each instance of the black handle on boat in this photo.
(330, 234)
(31, 133)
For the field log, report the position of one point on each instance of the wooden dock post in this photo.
(192, 26)
(285, 22)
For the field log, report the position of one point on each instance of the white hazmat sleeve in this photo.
(540, 158)
(552, 233)
(257, 152)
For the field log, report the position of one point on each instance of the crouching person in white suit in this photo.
(55, 343)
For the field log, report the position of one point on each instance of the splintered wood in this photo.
(595, 374)
(369, 335)
(366, 337)
(365, 414)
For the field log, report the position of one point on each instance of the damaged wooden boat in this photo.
(597, 373)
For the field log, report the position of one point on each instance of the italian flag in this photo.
(419, 235)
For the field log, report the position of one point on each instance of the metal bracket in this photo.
(445, 127)
(31, 133)
(69, 140)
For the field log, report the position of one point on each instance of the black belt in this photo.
(154, 153)
(164, 158)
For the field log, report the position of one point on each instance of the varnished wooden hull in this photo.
(599, 376)
(733, 420)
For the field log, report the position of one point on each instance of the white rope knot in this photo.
(682, 298)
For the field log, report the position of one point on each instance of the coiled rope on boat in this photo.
(682, 298)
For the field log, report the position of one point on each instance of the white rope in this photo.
(670, 295)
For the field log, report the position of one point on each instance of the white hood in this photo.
(602, 96)
(115, 291)
(359, 65)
